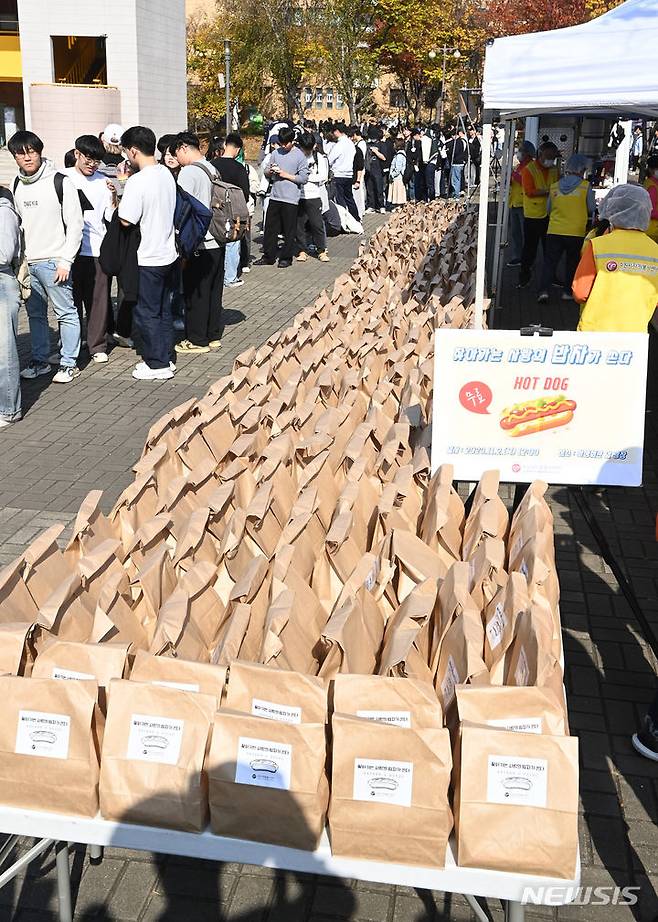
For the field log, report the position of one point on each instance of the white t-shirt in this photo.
(96, 190)
(149, 200)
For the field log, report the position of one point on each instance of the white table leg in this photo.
(514, 912)
(63, 881)
(95, 854)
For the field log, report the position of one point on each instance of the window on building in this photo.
(79, 59)
(330, 98)
(319, 98)
(339, 101)
(395, 98)
(9, 16)
(308, 95)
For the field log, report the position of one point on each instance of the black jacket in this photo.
(118, 255)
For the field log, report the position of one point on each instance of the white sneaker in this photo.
(100, 358)
(35, 370)
(246, 269)
(382, 211)
(66, 374)
(124, 341)
(236, 284)
(179, 324)
(6, 422)
(142, 372)
(172, 366)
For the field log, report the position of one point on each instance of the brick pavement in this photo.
(89, 435)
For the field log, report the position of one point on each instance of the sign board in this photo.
(568, 408)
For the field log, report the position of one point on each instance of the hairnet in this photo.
(576, 164)
(627, 206)
(528, 148)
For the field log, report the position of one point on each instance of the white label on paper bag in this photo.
(42, 734)
(450, 679)
(284, 713)
(518, 724)
(399, 718)
(383, 781)
(265, 763)
(155, 739)
(59, 673)
(522, 672)
(183, 686)
(517, 780)
(371, 578)
(496, 627)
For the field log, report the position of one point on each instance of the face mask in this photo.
(549, 163)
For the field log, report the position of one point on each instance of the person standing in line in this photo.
(149, 200)
(637, 148)
(341, 163)
(288, 172)
(458, 157)
(232, 171)
(417, 164)
(177, 301)
(397, 194)
(475, 155)
(10, 301)
(310, 204)
(52, 226)
(523, 156)
(570, 204)
(203, 273)
(91, 287)
(358, 176)
(651, 185)
(375, 162)
(430, 144)
(537, 177)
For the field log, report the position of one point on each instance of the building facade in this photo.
(68, 68)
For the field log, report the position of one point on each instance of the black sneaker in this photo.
(263, 262)
(523, 282)
(514, 264)
(285, 263)
(646, 741)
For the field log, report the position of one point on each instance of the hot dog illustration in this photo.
(43, 737)
(383, 784)
(264, 765)
(151, 741)
(517, 784)
(537, 415)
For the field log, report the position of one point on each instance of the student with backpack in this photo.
(232, 171)
(149, 201)
(50, 212)
(203, 273)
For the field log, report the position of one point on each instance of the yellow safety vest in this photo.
(536, 207)
(569, 212)
(625, 291)
(515, 195)
(653, 223)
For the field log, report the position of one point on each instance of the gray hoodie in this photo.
(9, 232)
(568, 184)
(52, 231)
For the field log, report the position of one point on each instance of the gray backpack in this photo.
(230, 215)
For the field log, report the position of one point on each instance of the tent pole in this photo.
(503, 206)
(483, 220)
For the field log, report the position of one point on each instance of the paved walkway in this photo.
(89, 434)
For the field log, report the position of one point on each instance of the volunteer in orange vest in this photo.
(651, 185)
(617, 277)
(525, 154)
(537, 177)
(571, 203)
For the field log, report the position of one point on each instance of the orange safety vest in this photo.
(625, 291)
(652, 231)
(536, 207)
(569, 212)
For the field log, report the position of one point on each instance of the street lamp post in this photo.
(227, 82)
(455, 52)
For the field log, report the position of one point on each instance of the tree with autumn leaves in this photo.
(276, 44)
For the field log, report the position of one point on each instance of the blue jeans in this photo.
(10, 388)
(42, 279)
(232, 262)
(152, 313)
(456, 175)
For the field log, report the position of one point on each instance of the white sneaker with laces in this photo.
(100, 358)
(142, 372)
(66, 374)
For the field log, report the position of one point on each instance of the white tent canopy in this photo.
(606, 66)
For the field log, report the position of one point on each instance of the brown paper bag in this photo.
(90, 528)
(401, 702)
(99, 663)
(267, 780)
(531, 660)
(352, 637)
(16, 602)
(137, 504)
(522, 788)
(48, 755)
(174, 672)
(460, 660)
(196, 543)
(153, 752)
(443, 518)
(488, 515)
(18, 648)
(406, 650)
(114, 619)
(389, 793)
(501, 615)
(294, 621)
(518, 710)
(45, 566)
(68, 612)
(276, 694)
(487, 571)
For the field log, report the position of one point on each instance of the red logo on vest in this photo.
(611, 266)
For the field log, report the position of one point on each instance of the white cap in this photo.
(112, 134)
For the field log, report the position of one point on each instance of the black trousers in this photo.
(345, 196)
(534, 231)
(281, 219)
(554, 246)
(152, 314)
(375, 189)
(203, 282)
(91, 290)
(309, 213)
